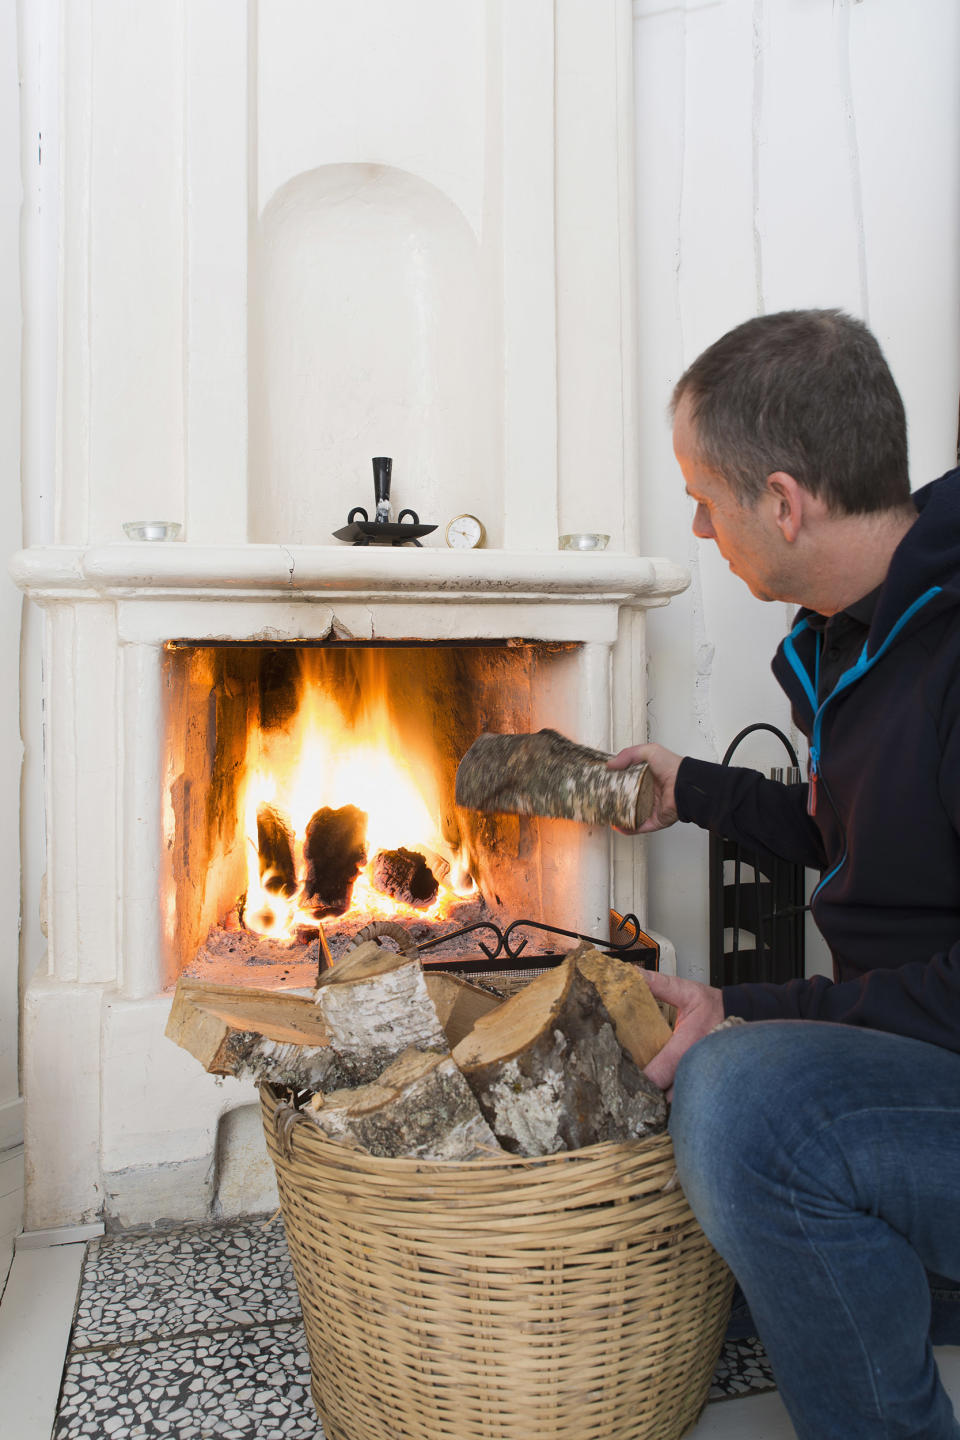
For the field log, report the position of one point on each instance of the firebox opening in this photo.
(310, 788)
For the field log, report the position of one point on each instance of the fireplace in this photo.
(195, 664)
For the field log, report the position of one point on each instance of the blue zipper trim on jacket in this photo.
(848, 678)
(797, 665)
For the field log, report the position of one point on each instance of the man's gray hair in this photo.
(807, 392)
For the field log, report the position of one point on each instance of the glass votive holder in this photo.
(585, 540)
(152, 529)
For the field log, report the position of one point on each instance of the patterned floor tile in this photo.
(195, 1334)
(743, 1368)
(252, 1384)
(180, 1282)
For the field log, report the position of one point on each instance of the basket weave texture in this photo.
(573, 1297)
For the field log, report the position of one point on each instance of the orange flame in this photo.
(320, 761)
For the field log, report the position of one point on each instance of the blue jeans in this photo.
(823, 1162)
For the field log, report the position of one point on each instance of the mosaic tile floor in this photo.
(195, 1333)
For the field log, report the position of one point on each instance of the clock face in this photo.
(465, 532)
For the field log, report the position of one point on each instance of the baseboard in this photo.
(11, 1124)
(65, 1235)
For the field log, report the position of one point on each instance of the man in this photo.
(820, 1148)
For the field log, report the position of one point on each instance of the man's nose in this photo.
(702, 527)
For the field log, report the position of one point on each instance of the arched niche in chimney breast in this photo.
(372, 333)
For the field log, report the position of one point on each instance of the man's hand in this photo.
(663, 767)
(699, 1010)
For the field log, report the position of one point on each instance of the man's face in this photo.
(747, 536)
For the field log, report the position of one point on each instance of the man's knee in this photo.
(732, 1101)
(707, 1110)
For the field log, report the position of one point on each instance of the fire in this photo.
(321, 760)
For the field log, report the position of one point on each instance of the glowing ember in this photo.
(319, 760)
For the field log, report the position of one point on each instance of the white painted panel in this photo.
(590, 399)
(136, 266)
(217, 224)
(907, 104)
(809, 212)
(529, 278)
(373, 82)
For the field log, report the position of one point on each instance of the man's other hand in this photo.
(663, 767)
(699, 1010)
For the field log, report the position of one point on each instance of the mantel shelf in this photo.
(154, 569)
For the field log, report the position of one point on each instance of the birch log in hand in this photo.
(547, 774)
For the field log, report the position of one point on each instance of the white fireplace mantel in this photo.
(146, 570)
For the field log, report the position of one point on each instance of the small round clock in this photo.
(465, 532)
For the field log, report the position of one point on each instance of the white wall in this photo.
(790, 153)
(10, 753)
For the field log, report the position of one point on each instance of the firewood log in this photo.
(458, 1004)
(547, 774)
(275, 850)
(404, 875)
(366, 1011)
(376, 1003)
(269, 1034)
(334, 852)
(550, 1074)
(420, 1106)
(638, 1022)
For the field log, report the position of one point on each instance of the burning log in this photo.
(421, 1106)
(404, 875)
(334, 851)
(275, 850)
(547, 774)
(550, 1073)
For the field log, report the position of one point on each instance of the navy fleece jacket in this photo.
(885, 835)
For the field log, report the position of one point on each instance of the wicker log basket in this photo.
(572, 1297)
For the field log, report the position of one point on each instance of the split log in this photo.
(404, 875)
(458, 1004)
(366, 1011)
(547, 774)
(237, 1030)
(334, 852)
(550, 1074)
(637, 1020)
(420, 1106)
(275, 850)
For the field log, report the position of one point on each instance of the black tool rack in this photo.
(756, 900)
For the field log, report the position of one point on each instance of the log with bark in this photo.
(404, 875)
(268, 1034)
(420, 1106)
(334, 853)
(547, 774)
(365, 1012)
(550, 1073)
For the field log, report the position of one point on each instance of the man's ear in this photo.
(788, 496)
